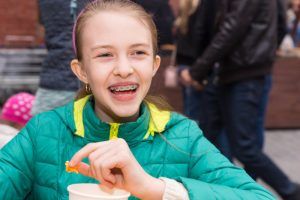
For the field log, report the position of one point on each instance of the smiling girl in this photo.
(112, 135)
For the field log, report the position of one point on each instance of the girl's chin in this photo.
(127, 114)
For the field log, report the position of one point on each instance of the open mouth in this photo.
(123, 89)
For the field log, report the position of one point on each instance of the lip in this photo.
(123, 84)
(124, 96)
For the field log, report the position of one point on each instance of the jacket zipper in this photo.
(114, 130)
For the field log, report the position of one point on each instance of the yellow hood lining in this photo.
(157, 124)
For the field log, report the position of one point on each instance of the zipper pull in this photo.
(114, 130)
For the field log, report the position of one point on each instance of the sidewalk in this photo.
(283, 146)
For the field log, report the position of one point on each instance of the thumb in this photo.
(84, 169)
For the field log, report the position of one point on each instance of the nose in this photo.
(123, 67)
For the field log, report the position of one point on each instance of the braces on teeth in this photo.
(124, 88)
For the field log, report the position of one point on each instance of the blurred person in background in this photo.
(14, 115)
(281, 32)
(58, 85)
(295, 28)
(195, 29)
(295, 5)
(245, 45)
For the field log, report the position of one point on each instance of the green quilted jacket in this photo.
(32, 165)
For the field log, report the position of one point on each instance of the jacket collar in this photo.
(87, 125)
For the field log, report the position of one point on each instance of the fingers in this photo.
(105, 170)
(84, 169)
(95, 156)
(107, 187)
(187, 80)
(104, 158)
(184, 83)
(98, 161)
(110, 170)
(192, 83)
(109, 167)
(85, 152)
(197, 86)
(185, 77)
(107, 179)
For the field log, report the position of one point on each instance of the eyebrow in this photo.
(110, 47)
(140, 45)
(101, 47)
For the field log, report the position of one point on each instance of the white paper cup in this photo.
(89, 191)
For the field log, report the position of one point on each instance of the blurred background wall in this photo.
(19, 24)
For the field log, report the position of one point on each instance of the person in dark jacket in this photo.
(245, 46)
(195, 29)
(58, 85)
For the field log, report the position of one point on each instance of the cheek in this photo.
(147, 75)
(146, 68)
(97, 69)
(97, 75)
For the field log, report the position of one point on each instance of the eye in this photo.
(139, 53)
(104, 55)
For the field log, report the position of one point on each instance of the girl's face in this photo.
(118, 64)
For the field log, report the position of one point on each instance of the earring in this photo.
(88, 88)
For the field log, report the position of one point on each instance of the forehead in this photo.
(113, 27)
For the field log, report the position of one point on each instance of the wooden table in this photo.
(284, 104)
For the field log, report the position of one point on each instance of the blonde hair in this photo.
(186, 9)
(123, 6)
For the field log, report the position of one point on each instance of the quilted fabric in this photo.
(32, 165)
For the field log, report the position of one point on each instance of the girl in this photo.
(153, 154)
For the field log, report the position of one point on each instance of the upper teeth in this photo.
(124, 88)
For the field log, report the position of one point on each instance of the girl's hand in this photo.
(113, 165)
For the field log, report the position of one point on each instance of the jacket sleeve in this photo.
(204, 25)
(231, 31)
(281, 22)
(212, 176)
(16, 165)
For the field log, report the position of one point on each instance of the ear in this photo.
(78, 70)
(156, 65)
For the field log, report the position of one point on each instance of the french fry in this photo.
(71, 169)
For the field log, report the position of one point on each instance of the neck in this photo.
(112, 118)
